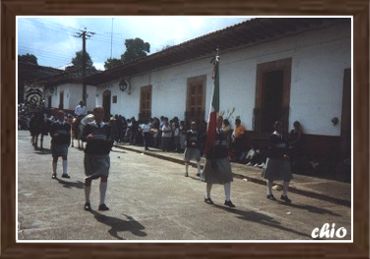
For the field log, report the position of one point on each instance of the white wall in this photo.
(318, 62)
(73, 95)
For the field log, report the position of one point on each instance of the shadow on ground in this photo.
(67, 184)
(261, 219)
(120, 225)
(310, 208)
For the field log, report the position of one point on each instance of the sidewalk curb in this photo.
(311, 194)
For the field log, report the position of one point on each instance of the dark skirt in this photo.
(59, 150)
(96, 165)
(192, 154)
(277, 169)
(217, 171)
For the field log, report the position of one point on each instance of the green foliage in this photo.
(111, 63)
(28, 58)
(77, 63)
(135, 48)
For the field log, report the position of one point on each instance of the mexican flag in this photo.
(214, 108)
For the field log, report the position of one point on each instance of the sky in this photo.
(52, 38)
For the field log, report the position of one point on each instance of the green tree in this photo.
(135, 48)
(28, 58)
(77, 63)
(111, 63)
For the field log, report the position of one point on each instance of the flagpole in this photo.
(214, 106)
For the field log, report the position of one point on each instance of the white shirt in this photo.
(166, 131)
(87, 119)
(146, 127)
(80, 110)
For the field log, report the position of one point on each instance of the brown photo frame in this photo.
(360, 246)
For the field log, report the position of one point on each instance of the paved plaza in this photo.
(150, 199)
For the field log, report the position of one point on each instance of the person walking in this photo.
(97, 161)
(217, 169)
(277, 165)
(60, 133)
(192, 151)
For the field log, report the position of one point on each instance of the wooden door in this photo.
(145, 102)
(195, 99)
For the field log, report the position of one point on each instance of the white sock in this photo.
(87, 193)
(103, 190)
(65, 165)
(208, 189)
(54, 166)
(186, 167)
(198, 166)
(285, 188)
(227, 187)
(269, 187)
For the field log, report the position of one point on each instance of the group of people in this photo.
(100, 136)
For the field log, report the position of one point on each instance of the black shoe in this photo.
(271, 197)
(87, 206)
(230, 204)
(208, 200)
(285, 198)
(65, 176)
(103, 207)
(53, 176)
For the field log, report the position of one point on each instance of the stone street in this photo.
(150, 199)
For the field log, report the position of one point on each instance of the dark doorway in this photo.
(272, 99)
(272, 96)
(61, 100)
(106, 104)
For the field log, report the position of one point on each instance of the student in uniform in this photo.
(192, 151)
(99, 142)
(277, 165)
(217, 169)
(60, 133)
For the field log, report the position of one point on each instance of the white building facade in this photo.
(317, 60)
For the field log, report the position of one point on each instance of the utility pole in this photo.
(111, 40)
(84, 35)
